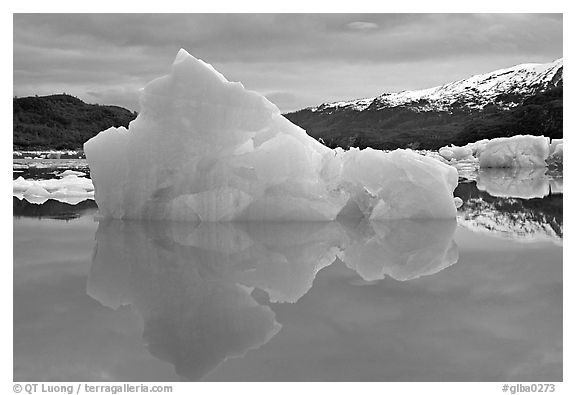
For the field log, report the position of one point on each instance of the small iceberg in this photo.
(521, 151)
(69, 189)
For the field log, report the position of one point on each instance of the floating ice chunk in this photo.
(71, 182)
(70, 189)
(478, 147)
(455, 153)
(516, 151)
(458, 202)
(20, 184)
(399, 184)
(205, 149)
(462, 158)
(36, 190)
(71, 173)
(446, 153)
(36, 194)
(525, 183)
(462, 153)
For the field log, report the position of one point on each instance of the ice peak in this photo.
(182, 55)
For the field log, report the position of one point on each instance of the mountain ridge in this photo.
(536, 77)
(522, 99)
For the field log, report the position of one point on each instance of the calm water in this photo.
(478, 299)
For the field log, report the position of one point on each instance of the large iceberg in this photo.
(206, 149)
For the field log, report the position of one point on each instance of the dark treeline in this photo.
(66, 122)
(402, 127)
(61, 121)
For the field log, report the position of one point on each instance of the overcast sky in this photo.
(296, 60)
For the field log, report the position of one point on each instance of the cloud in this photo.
(362, 26)
(126, 96)
(277, 52)
(282, 99)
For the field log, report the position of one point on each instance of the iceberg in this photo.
(455, 152)
(515, 151)
(396, 185)
(521, 151)
(468, 152)
(478, 146)
(206, 149)
(68, 189)
(70, 172)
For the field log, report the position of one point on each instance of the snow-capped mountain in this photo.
(501, 87)
(523, 99)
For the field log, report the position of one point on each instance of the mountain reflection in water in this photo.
(193, 284)
(524, 204)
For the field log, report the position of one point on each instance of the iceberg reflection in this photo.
(524, 183)
(527, 220)
(192, 283)
(557, 185)
(193, 318)
(403, 250)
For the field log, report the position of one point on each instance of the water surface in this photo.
(478, 299)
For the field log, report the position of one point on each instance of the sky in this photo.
(295, 60)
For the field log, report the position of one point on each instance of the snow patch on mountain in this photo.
(499, 87)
